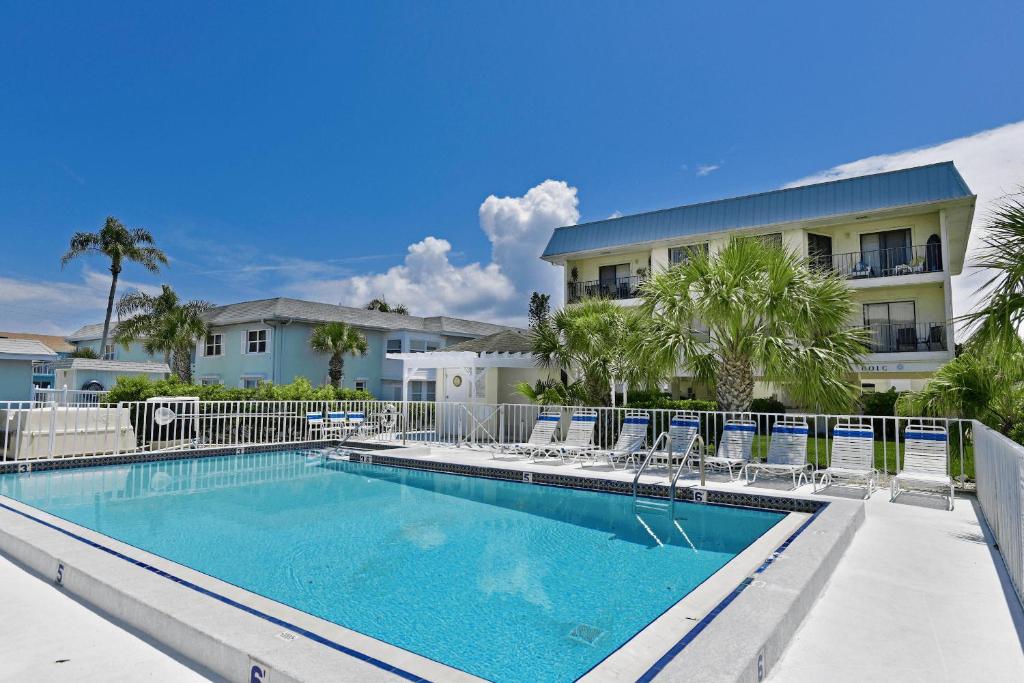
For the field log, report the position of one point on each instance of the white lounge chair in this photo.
(632, 438)
(735, 446)
(336, 425)
(315, 424)
(682, 427)
(579, 438)
(541, 436)
(357, 425)
(787, 453)
(925, 462)
(853, 458)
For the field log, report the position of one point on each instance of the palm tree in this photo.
(164, 325)
(983, 383)
(753, 308)
(337, 339)
(1002, 316)
(119, 244)
(589, 341)
(381, 304)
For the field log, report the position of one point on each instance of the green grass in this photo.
(885, 454)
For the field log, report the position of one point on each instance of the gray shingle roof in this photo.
(54, 342)
(893, 189)
(282, 308)
(27, 349)
(506, 341)
(113, 365)
(94, 331)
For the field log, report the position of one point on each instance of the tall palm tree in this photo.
(589, 341)
(381, 304)
(753, 308)
(337, 339)
(1000, 319)
(119, 244)
(164, 325)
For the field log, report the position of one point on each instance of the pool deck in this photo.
(920, 594)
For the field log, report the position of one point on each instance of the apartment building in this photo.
(268, 341)
(897, 238)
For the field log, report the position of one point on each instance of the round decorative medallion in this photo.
(457, 380)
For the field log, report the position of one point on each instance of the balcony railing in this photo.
(619, 288)
(906, 337)
(910, 260)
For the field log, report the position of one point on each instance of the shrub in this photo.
(881, 403)
(767, 405)
(672, 404)
(140, 388)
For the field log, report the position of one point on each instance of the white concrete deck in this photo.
(50, 636)
(921, 594)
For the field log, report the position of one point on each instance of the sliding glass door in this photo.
(893, 326)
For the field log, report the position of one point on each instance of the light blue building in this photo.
(268, 341)
(16, 360)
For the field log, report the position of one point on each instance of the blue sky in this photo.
(337, 151)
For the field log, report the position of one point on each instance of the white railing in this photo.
(1000, 473)
(52, 429)
(68, 397)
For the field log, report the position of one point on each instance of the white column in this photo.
(405, 381)
(947, 288)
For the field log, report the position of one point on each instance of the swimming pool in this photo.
(503, 580)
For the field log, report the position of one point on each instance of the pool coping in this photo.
(845, 517)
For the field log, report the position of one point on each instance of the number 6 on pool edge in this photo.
(59, 579)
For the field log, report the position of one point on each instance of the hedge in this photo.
(139, 388)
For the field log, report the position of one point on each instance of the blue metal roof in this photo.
(906, 187)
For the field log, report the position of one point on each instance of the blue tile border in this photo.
(227, 601)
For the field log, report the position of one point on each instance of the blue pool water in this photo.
(507, 581)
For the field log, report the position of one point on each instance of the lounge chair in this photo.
(357, 424)
(735, 447)
(579, 438)
(925, 462)
(681, 429)
(787, 453)
(853, 458)
(631, 441)
(541, 436)
(337, 423)
(861, 269)
(315, 424)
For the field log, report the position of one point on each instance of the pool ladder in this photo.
(644, 504)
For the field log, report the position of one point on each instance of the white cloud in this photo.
(707, 169)
(429, 283)
(992, 163)
(50, 307)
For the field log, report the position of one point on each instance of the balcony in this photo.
(906, 337)
(857, 265)
(618, 288)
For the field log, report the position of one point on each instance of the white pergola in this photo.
(471, 363)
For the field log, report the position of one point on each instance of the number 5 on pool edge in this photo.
(59, 578)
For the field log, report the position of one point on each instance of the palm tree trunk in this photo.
(334, 368)
(734, 385)
(114, 272)
(183, 365)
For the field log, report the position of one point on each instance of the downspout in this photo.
(275, 347)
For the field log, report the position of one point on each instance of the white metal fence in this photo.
(52, 429)
(68, 397)
(1000, 474)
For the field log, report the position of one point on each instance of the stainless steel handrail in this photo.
(695, 439)
(647, 460)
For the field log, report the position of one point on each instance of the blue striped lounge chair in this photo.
(357, 423)
(541, 436)
(631, 441)
(682, 428)
(925, 462)
(336, 424)
(787, 453)
(315, 423)
(579, 438)
(853, 458)
(735, 447)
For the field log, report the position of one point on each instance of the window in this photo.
(885, 251)
(108, 352)
(394, 346)
(360, 385)
(867, 388)
(819, 251)
(892, 326)
(391, 390)
(771, 239)
(213, 345)
(422, 391)
(422, 346)
(684, 253)
(209, 381)
(256, 341)
(251, 382)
